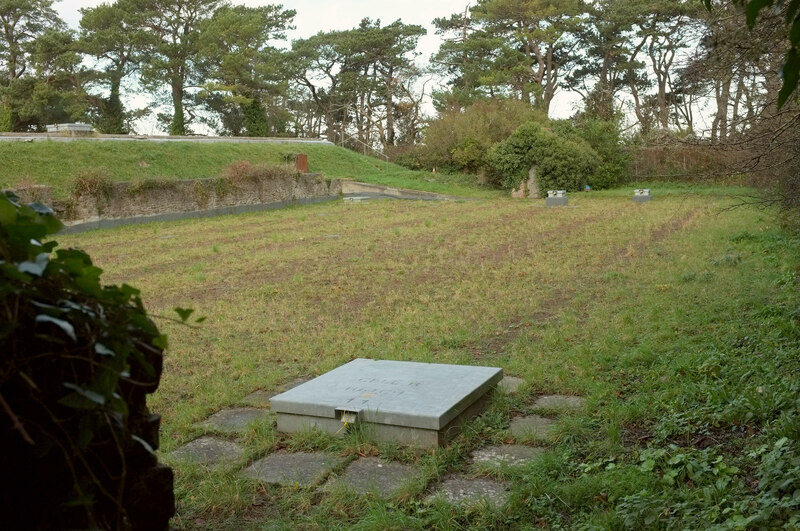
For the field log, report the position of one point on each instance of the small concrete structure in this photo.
(556, 198)
(421, 404)
(73, 129)
(642, 195)
(463, 491)
(356, 198)
(294, 470)
(208, 451)
(370, 474)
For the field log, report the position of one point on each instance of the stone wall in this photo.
(152, 198)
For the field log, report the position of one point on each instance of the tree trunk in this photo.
(178, 126)
(724, 96)
(390, 136)
(113, 119)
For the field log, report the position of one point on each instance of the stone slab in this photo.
(458, 490)
(300, 380)
(298, 469)
(532, 426)
(405, 435)
(259, 398)
(399, 393)
(208, 451)
(642, 198)
(262, 397)
(562, 402)
(510, 384)
(506, 454)
(371, 474)
(235, 419)
(556, 201)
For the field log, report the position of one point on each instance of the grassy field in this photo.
(58, 163)
(676, 319)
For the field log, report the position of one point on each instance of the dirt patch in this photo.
(493, 345)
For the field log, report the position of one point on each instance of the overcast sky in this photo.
(323, 15)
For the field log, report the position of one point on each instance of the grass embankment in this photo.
(676, 321)
(58, 163)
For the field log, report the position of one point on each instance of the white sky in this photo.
(314, 16)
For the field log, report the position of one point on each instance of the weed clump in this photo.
(95, 182)
(242, 171)
(138, 187)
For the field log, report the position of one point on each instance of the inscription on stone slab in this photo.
(401, 393)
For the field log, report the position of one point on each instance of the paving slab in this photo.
(259, 398)
(298, 469)
(460, 490)
(510, 384)
(508, 454)
(235, 419)
(564, 402)
(371, 474)
(532, 426)
(300, 380)
(208, 451)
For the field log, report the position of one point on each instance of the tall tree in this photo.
(171, 51)
(660, 31)
(22, 23)
(512, 47)
(604, 55)
(359, 79)
(110, 33)
(245, 69)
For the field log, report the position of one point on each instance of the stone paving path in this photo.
(560, 402)
(459, 490)
(209, 451)
(299, 469)
(510, 384)
(508, 454)
(532, 426)
(235, 420)
(371, 474)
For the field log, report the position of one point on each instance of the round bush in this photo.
(560, 164)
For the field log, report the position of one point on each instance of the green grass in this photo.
(57, 163)
(676, 319)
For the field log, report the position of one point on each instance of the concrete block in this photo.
(407, 402)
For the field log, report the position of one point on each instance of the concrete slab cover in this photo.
(400, 393)
(368, 474)
(235, 419)
(459, 490)
(532, 426)
(208, 451)
(509, 454)
(303, 469)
